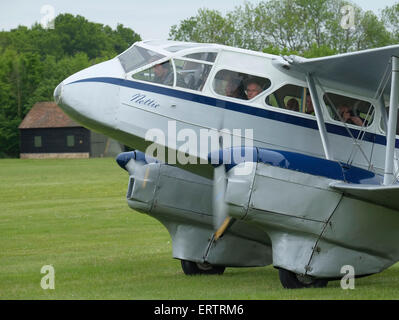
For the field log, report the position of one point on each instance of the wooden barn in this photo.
(47, 132)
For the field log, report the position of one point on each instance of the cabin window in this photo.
(239, 85)
(190, 74)
(349, 110)
(37, 141)
(293, 98)
(136, 57)
(70, 141)
(160, 73)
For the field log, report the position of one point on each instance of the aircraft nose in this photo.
(91, 96)
(58, 92)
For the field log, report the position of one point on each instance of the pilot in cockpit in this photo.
(163, 73)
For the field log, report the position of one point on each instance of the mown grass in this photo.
(72, 214)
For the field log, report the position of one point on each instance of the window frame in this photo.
(211, 64)
(129, 76)
(224, 68)
(288, 111)
(180, 55)
(353, 97)
(138, 47)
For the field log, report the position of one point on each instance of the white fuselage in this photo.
(106, 98)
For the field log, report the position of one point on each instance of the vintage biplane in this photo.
(311, 188)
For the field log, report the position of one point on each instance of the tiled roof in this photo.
(47, 115)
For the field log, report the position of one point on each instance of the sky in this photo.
(151, 19)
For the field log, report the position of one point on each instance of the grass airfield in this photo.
(72, 214)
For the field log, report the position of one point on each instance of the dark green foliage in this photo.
(33, 61)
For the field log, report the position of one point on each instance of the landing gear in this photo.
(192, 268)
(291, 280)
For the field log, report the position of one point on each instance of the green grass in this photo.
(72, 214)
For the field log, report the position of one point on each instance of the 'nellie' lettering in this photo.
(142, 99)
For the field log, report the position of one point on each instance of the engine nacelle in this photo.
(182, 202)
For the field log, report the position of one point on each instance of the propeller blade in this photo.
(219, 190)
(221, 220)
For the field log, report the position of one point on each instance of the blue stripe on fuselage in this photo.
(233, 106)
(277, 158)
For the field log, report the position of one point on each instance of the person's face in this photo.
(230, 89)
(345, 113)
(159, 70)
(253, 90)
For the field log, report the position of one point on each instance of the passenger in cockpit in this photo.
(232, 88)
(253, 89)
(163, 73)
(292, 104)
(348, 116)
(309, 105)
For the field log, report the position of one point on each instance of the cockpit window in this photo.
(137, 57)
(203, 56)
(160, 73)
(191, 75)
(292, 97)
(239, 85)
(349, 110)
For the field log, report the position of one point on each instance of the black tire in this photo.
(291, 280)
(192, 268)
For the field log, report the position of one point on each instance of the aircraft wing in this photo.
(387, 196)
(361, 69)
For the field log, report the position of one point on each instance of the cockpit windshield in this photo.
(137, 57)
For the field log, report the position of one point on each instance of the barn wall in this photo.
(68, 155)
(54, 140)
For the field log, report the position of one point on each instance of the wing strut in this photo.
(319, 116)
(389, 177)
(384, 117)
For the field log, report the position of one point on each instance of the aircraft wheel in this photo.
(291, 280)
(193, 268)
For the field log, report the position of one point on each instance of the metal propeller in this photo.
(219, 190)
(221, 219)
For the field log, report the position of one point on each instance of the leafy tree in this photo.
(207, 26)
(246, 22)
(307, 27)
(372, 32)
(390, 18)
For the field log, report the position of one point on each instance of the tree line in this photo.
(33, 61)
(310, 28)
